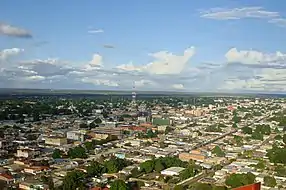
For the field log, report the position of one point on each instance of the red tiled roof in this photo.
(7, 176)
(255, 186)
(99, 188)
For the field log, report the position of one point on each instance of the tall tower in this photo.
(133, 102)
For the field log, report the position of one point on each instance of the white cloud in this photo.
(238, 13)
(96, 60)
(96, 31)
(178, 86)
(279, 21)
(6, 53)
(104, 82)
(9, 30)
(35, 78)
(143, 82)
(164, 63)
(253, 57)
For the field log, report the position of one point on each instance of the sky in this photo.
(192, 46)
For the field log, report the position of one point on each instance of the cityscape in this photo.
(142, 95)
(142, 141)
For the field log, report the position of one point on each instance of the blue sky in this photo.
(229, 45)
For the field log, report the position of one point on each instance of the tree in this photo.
(56, 154)
(284, 138)
(73, 180)
(234, 125)
(94, 169)
(237, 180)
(269, 181)
(203, 186)
(260, 165)
(147, 166)
(89, 145)
(158, 166)
(97, 121)
(83, 126)
(218, 152)
(219, 188)
(278, 137)
(118, 185)
(179, 187)
(246, 130)
(77, 152)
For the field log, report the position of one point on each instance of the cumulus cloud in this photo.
(238, 13)
(164, 63)
(178, 86)
(13, 31)
(7, 53)
(253, 57)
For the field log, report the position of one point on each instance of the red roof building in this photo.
(255, 186)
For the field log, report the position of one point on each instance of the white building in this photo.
(172, 171)
(75, 135)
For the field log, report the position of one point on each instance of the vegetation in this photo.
(269, 181)
(77, 152)
(237, 180)
(277, 155)
(218, 152)
(246, 130)
(113, 165)
(57, 154)
(118, 185)
(161, 163)
(73, 181)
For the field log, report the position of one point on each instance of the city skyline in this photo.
(228, 46)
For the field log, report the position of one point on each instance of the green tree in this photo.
(97, 121)
(147, 166)
(269, 181)
(95, 169)
(89, 145)
(203, 186)
(77, 152)
(56, 154)
(83, 126)
(278, 137)
(218, 152)
(159, 166)
(234, 125)
(237, 180)
(260, 165)
(73, 180)
(179, 187)
(219, 188)
(246, 130)
(118, 185)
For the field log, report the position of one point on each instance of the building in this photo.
(6, 144)
(56, 141)
(172, 171)
(8, 179)
(75, 135)
(192, 156)
(27, 153)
